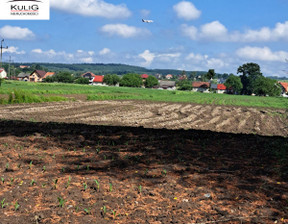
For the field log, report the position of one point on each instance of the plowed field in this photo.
(91, 162)
(228, 119)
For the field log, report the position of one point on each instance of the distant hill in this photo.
(278, 78)
(102, 69)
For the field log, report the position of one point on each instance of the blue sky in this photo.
(186, 35)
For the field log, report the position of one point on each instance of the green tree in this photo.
(193, 76)
(131, 80)
(82, 80)
(111, 80)
(49, 79)
(225, 75)
(63, 77)
(108, 79)
(266, 87)
(184, 85)
(210, 74)
(234, 82)
(250, 72)
(151, 81)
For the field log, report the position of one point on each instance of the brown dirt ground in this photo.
(147, 175)
(227, 119)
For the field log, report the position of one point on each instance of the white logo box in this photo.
(24, 10)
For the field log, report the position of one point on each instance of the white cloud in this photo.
(278, 33)
(62, 56)
(104, 51)
(204, 62)
(196, 57)
(38, 51)
(168, 56)
(92, 8)
(216, 63)
(53, 55)
(216, 31)
(262, 54)
(16, 33)
(124, 30)
(13, 50)
(190, 31)
(148, 57)
(86, 60)
(186, 10)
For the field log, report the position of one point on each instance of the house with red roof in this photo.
(218, 88)
(284, 87)
(144, 76)
(202, 87)
(98, 80)
(24, 66)
(169, 76)
(37, 76)
(88, 75)
(3, 73)
(49, 74)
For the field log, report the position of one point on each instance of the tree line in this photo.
(251, 81)
(129, 80)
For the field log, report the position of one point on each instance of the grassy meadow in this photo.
(26, 92)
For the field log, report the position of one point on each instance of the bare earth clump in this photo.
(132, 162)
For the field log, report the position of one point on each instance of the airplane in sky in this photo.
(147, 21)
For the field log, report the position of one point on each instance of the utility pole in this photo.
(9, 68)
(1, 47)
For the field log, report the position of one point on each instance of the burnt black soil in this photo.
(49, 174)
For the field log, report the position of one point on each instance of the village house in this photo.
(24, 66)
(144, 76)
(169, 76)
(158, 76)
(88, 75)
(98, 80)
(169, 85)
(23, 76)
(37, 76)
(284, 87)
(202, 87)
(49, 74)
(218, 88)
(3, 73)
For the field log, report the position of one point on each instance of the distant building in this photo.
(3, 73)
(88, 75)
(284, 87)
(169, 76)
(183, 77)
(218, 88)
(49, 74)
(202, 87)
(170, 85)
(144, 76)
(24, 66)
(37, 76)
(158, 76)
(23, 76)
(98, 80)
